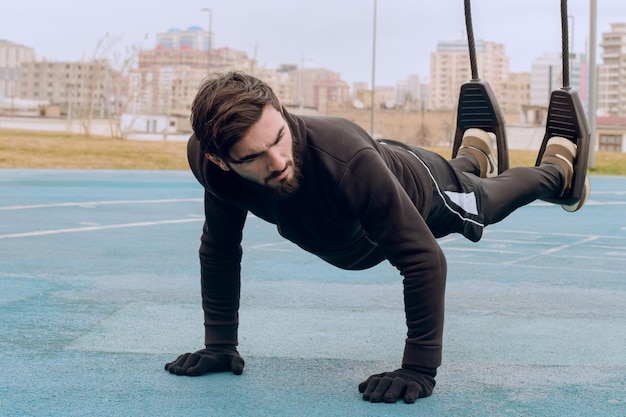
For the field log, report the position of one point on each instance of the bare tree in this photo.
(98, 86)
(87, 85)
(121, 91)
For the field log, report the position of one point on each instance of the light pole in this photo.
(593, 82)
(210, 44)
(373, 70)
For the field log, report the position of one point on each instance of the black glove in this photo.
(217, 358)
(409, 383)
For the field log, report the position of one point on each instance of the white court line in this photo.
(100, 203)
(604, 203)
(273, 247)
(567, 246)
(609, 192)
(587, 203)
(96, 228)
(526, 265)
(608, 256)
(527, 232)
(551, 250)
(447, 239)
(483, 250)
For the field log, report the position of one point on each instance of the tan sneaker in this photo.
(562, 152)
(479, 144)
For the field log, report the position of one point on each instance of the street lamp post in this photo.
(373, 71)
(593, 82)
(210, 44)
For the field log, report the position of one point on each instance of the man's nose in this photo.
(275, 162)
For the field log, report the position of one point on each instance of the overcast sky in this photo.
(332, 34)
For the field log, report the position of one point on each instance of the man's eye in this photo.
(247, 160)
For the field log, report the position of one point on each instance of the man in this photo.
(350, 200)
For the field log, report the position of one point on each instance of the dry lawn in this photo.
(20, 149)
(23, 149)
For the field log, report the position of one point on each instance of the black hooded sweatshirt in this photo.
(359, 203)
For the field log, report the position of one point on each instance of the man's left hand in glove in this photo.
(409, 383)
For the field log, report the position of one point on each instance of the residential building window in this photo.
(610, 143)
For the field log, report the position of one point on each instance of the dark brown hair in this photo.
(225, 107)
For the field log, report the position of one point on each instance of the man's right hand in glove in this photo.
(217, 358)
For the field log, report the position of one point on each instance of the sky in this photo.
(334, 34)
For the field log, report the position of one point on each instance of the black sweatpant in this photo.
(465, 203)
(514, 188)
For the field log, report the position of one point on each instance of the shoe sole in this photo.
(577, 206)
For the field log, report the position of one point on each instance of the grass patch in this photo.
(59, 150)
(20, 149)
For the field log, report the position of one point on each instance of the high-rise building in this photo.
(168, 76)
(193, 37)
(412, 92)
(612, 72)
(191, 47)
(11, 56)
(547, 75)
(450, 67)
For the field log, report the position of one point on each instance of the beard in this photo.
(290, 185)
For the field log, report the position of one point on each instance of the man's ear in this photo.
(217, 161)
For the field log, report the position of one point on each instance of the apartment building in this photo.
(547, 76)
(184, 86)
(164, 66)
(163, 57)
(612, 72)
(228, 59)
(166, 80)
(319, 88)
(450, 67)
(150, 90)
(329, 93)
(11, 57)
(168, 76)
(81, 89)
(514, 92)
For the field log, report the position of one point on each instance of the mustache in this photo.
(279, 173)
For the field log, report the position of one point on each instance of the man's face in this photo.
(264, 155)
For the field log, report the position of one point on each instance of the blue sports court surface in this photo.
(99, 287)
